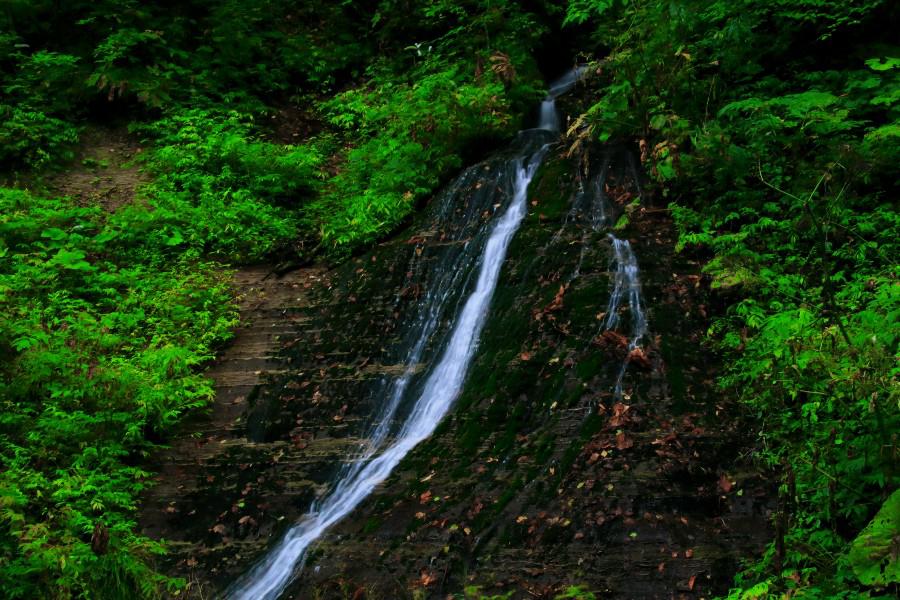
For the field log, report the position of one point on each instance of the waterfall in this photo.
(430, 400)
(441, 388)
(549, 118)
(626, 282)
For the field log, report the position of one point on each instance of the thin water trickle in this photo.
(626, 283)
(549, 117)
(591, 210)
(566, 82)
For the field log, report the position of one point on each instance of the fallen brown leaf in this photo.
(724, 484)
(620, 415)
(427, 578)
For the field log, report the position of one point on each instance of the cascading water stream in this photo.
(626, 282)
(591, 208)
(589, 203)
(549, 117)
(431, 400)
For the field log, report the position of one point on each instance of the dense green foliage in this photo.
(107, 316)
(100, 348)
(773, 126)
(445, 77)
(221, 191)
(409, 133)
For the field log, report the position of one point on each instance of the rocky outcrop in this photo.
(540, 478)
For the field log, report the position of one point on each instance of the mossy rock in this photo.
(873, 554)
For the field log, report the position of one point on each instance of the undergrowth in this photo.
(100, 351)
(772, 129)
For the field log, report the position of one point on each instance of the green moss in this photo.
(508, 494)
(372, 525)
(674, 360)
(469, 435)
(546, 443)
(589, 366)
(552, 190)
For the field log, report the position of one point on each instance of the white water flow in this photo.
(380, 455)
(592, 211)
(429, 401)
(549, 117)
(589, 204)
(626, 283)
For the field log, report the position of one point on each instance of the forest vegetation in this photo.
(769, 128)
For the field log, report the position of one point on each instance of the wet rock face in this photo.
(540, 477)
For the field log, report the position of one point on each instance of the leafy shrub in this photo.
(130, 61)
(41, 91)
(220, 190)
(31, 139)
(412, 136)
(47, 81)
(98, 350)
